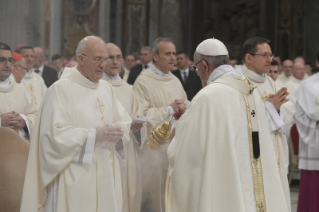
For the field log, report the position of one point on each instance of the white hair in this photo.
(214, 61)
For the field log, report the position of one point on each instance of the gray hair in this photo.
(156, 43)
(146, 48)
(214, 61)
(80, 47)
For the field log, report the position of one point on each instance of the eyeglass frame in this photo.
(106, 60)
(25, 69)
(7, 60)
(264, 55)
(194, 67)
(117, 58)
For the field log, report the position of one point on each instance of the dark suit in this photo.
(193, 83)
(49, 75)
(135, 71)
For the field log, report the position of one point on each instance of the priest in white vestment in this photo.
(73, 164)
(286, 71)
(221, 158)
(161, 93)
(298, 74)
(19, 68)
(257, 57)
(130, 168)
(33, 83)
(16, 108)
(307, 121)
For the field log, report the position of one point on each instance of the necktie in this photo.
(185, 76)
(37, 71)
(145, 66)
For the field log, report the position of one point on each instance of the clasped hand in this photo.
(109, 133)
(279, 98)
(179, 108)
(12, 120)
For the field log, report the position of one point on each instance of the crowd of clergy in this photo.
(78, 135)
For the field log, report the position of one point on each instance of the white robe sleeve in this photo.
(307, 127)
(86, 153)
(275, 120)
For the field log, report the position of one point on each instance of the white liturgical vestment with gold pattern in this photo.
(35, 86)
(67, 170)
(130, 168)
(216, 164)
(279, 123)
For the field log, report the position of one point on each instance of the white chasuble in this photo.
(130, 168)
(212, 161)
(279, 123)
(156, 93)
(35, 86)
(15, 98)
(292, 85)
(73, 107)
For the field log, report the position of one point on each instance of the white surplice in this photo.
(292, 85)
(65, 163)
(279, 123)
(210, 164)
(307, 120)
(130, 168)
(35, 86)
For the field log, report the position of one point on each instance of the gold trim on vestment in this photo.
(256, 167)
(277, 149)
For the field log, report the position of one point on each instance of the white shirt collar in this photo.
(156, 71)
(224, 70)
(110, 78)
(5, 83)
(40, 69)
(186, 71)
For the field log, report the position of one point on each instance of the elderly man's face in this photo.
(20, 70)
(202, 70)
(113, 67)
(146, 56)
(38, 58)
(287, 67)
(93, 60)
(298, 70)
(166, 56)
(258, 63)
(5, 67)
(273, 72)
(130, 61)
(28, 55)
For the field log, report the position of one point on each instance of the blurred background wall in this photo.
(58, 25)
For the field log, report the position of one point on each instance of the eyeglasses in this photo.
(98, 60)
(194, 67)
(264, 56)
(4, 60)
(25, 69)
(117, 58)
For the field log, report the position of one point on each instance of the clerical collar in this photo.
(224, 70)
(5, 83)
(111, 78)
(252, 75)
(29, 74)
(156, 71)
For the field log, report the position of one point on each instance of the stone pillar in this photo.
(154, 20)
(104, 20)
(56, 27)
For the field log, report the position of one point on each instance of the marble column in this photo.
(104, 20)
(56, 27)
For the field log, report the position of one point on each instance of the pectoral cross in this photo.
(100, 106)
(31, 88)
(253, 113)
(264, 96)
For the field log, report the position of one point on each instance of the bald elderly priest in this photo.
(221, 158)
(75, 167)
(16, 108)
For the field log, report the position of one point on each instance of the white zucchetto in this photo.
(212, 47)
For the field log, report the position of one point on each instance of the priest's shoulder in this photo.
(38, 77)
